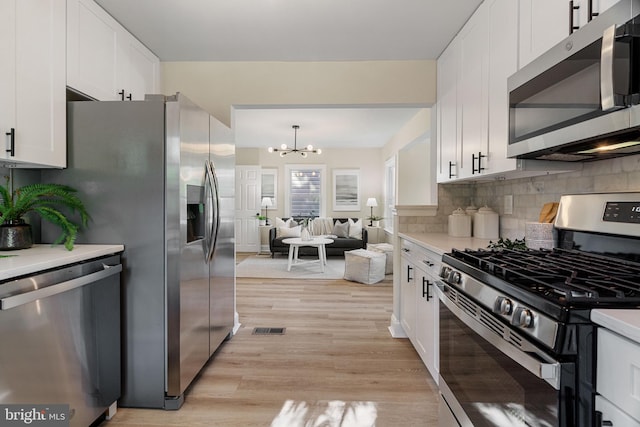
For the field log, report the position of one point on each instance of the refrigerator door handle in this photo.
(216, 209)
(209, 211)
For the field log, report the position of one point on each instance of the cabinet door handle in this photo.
(129, 97)
(12, 137)
(121, 93)
(590, 13)
(473, 163)
(425, 288)
(572, 10)
(409, 278)
(451, 174)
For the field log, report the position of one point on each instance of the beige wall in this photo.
(367, 161)
(217, 86)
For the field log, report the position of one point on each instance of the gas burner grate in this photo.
(559, 275)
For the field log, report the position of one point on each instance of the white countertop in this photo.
(623, 322)
(442, 243)
(43, 257)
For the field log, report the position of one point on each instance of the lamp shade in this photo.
(371, 201)
(266, 202)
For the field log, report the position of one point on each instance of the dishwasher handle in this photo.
(27, 297)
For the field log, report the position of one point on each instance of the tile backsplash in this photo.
(529, 194)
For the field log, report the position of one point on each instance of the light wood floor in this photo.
(336, 348)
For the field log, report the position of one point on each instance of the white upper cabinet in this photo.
(447, 114)
(104, 61)
(502, 62)
(472, 93)
(473, 96)
(32, 83)
(543, 24)
(140, 71)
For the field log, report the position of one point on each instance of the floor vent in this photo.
(269, 331)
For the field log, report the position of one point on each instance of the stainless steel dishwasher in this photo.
(60, 338)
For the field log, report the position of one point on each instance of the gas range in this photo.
(540, 292)
(523, 317)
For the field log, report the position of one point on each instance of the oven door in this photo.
(486, 380)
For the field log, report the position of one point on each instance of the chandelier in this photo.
(284, 149)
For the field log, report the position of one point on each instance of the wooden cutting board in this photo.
(548, 212)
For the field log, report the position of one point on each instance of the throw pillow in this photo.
(355, 229)
(279, 224)
(341, 229)
(289, 231)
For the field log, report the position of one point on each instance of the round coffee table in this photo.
(296, 242)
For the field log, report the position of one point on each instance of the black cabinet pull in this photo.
(121, 93)
(12, 135)
(425, 288)
(590, 13)
(473, 163)
(409, 278)
(129, 97)
(572, 8)
(451, 165)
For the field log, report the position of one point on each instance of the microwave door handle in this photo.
(607, 97)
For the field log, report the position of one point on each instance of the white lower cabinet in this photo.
(618, 380)
(407, 297)
(419, 302)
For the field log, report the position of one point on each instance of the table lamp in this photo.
(266, 202)
(371, 202)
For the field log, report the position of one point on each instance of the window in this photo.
(389, 192)
(305, 188)
(270, 186)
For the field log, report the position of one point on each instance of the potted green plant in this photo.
(262, 220)
(45, 200)
(375, 220)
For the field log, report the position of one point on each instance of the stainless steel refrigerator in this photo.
(158, 176)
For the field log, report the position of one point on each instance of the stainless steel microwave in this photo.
(580, 100)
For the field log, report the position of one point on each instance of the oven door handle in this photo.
(549, 372)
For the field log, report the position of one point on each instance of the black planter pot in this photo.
(15, 235)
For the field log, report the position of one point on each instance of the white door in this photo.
(248, 184)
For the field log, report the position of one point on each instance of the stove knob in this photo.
(503, 305)
(444, 272)
(456, 277)
(522, 317)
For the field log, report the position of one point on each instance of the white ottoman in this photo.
(387, 249)
(364, 266)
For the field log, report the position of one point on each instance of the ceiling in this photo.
(299, 30)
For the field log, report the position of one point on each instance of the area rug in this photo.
(276, 268)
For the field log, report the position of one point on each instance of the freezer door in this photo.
(187, 133)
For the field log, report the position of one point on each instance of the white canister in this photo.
(459, 224)
(486, 224)
(471, 211)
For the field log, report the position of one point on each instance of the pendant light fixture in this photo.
(284, 149)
